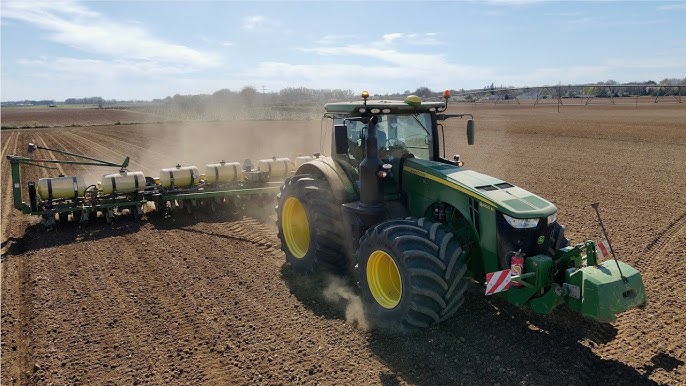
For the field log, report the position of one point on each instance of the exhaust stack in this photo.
(370, 183)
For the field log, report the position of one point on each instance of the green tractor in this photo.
(416, 227)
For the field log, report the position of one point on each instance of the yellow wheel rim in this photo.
(296, 228)
(384, 279)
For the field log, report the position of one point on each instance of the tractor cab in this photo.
(402, 130)
(397, 136)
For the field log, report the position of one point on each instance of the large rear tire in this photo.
(310, 228)
(411, 274)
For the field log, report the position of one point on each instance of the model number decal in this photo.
(481, 204)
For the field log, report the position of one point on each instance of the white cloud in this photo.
(253, 22)
(566, 75)
(512, 2)
(78, 27)
(62, 78)
(95, 68)
(610, 22)
(389, 38)
(619, 69)
(414, 61)
(223, 43)
(671, 7)
(260, 23)
(386, 55)
(382, 50)
(390, 68)
(379, 78)
(424, 39)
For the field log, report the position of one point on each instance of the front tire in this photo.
(411, 274)
(310, 228)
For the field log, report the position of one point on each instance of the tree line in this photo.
(251, 97)
(597, 90)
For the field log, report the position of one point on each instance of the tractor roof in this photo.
(383, 106)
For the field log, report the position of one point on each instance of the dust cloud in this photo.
(493, 130)
(339, 293)
(202, 143)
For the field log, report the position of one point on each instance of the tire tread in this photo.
(434, 267)
(327, 250)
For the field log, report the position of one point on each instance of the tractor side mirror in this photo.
(340, 133)
(470, 132)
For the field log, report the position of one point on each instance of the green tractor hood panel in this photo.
(507, 198)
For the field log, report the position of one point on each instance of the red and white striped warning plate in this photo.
(603, 248)
(497, 281)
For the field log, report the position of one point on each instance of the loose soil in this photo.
(73, 116)
(206, 298)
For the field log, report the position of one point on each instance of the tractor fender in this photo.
(339, 182)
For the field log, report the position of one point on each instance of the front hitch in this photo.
(597, 291)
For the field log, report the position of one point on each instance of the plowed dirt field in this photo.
(206, 298)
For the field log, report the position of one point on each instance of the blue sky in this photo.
(153, 49)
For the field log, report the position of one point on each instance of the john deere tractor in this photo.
(414, 227)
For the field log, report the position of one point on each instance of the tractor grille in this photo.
(511, 239)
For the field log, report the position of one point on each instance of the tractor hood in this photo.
(505, 197)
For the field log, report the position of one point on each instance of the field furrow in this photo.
(105, 150)
(9, 146)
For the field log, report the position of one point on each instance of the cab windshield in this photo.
(398, 136)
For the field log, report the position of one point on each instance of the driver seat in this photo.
(380, 138)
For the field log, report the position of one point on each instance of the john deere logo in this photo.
(541, 239)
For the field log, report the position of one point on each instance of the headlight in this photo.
(552, 218)
(521, 222)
